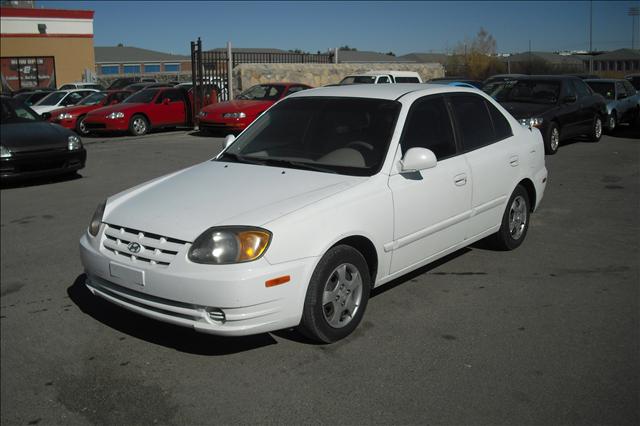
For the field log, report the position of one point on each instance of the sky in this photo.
(382, 26)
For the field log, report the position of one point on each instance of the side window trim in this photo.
(458, 132)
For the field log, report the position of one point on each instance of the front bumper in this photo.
(106, 125)
(229, 300)
(68, 123)
(42, 163)
(231, 125)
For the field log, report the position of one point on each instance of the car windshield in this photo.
(606, 89)
(53, 99)
(530, 91)
(14, 112)
(334, 135)
(141, 97)
(67, 86)
(359, 79)
(262, 92)
(93, 99)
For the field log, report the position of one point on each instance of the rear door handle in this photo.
(460, 179)
(514, 161)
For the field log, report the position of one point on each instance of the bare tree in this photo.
(478, 56)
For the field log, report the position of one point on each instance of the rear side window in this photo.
(581, 88)
(474, 121)
(407, 80)
(501, 127)
(428, 126)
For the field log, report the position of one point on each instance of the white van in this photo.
(381, 77)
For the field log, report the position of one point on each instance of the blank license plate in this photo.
(127, 274)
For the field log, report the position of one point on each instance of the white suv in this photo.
(381, 77)
(329, 193)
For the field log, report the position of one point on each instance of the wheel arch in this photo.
(528, 185)
(368, 250)
(146, 117)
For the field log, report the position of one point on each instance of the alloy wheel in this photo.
(517, 217)
(342, 295)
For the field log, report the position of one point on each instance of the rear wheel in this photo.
(337, 295)
(81, 128)
(612, 122)
(138, 125)
(552, 139)
(596, 129)
(515, 221)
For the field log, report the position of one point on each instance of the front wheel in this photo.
(596, 129)
(612, 122)
(81, 128)
(552, 139)
(515, 221)
(138, 125)
(337, 295)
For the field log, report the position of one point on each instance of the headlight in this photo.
(5, 152)
(234, 115)
(73, 143)
(202, 114)
(115, 115)
(96, 220)
(64, 116)
(229, 244)
(531, 122)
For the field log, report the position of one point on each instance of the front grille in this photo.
(155, 249)
(95, 125)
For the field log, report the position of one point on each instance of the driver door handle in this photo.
(514, 161)
(460, 179)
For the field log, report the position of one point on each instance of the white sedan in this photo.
(328, 194)
(61, 99)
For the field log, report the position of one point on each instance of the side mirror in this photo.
(229, 140)
(418, 159)
(569, 99)
(166, 101)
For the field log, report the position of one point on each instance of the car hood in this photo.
(44, 108)
(527, 110)
(237, 106)
(116, 108)
(34, 136)
(74, 110)
(184, 204)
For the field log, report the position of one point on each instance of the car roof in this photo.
(605, 80)
(381, 91)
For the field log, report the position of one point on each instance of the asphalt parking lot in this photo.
(546, 334)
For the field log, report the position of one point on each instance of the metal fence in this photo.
(210, 68)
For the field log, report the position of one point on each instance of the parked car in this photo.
(31, 147)
(143, 111)
(445, 80)
(499, 78)
(31, 98)
(562, 107)
(634, 79)
(121, 83)
(81, 85)
(236, 115)
(381, 77)
(138, 86)
(60, 99)
(328, 194)
(623, 101)
(73, 117)
(455, 83)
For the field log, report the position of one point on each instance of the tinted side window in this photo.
(383, 79)
(581, 88)
(622, 93)
(630, 89)
(428, 126)
(501, 126)
(473, 121)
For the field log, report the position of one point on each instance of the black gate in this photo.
(209, 69)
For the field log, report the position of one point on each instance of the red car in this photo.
(144, 110)
(72, 117)
(235, 115)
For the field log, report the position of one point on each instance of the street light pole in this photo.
(634, 12)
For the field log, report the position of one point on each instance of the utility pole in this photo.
(634, 12)
(229, 72)
(529, 57)
(590, 36)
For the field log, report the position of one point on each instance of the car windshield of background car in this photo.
(337, 135)
(605, 89)
(358, 79)
(262, 93)
(532, 91)
(142, 97)
(52, 99)
(93, 99)
(15, 113)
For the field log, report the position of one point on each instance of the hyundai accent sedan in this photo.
(328, 194)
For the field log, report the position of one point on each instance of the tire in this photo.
(515, 221)
(552, 139)
(596, 129)
(138, 125)
(81, 129)
(339, 285)
(612, 122)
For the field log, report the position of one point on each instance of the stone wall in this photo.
(247, 75)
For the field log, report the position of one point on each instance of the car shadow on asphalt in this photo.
(24, 183)
(172, 336)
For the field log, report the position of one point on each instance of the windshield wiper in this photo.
(240, 159)
(299, 165)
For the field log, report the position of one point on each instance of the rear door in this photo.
(569, 111)
(430, 206)
(494, 157)
(586, 101)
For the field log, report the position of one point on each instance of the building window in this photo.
(132, 69)
(172, 67)
(151, 68)
(109, 69)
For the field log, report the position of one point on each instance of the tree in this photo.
(478, 56)
(346, 47)
(390, 54)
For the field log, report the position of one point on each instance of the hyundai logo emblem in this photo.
(134, 247)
